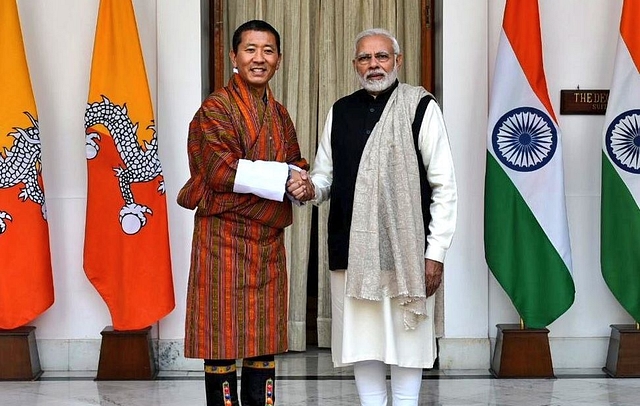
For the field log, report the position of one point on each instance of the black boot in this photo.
(221, 382)
(258, 381)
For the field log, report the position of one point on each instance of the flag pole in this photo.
(521, 324)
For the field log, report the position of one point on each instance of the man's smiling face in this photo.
(257, 58)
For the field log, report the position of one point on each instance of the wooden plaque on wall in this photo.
(583, 101)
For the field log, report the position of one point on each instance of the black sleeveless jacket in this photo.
(354, 117)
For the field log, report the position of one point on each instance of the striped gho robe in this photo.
(237, 292)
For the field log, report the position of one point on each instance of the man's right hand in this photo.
(300, 186)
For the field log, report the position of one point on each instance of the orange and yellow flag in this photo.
(26, 280)
(126, 247)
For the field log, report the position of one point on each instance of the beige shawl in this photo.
(387, 240)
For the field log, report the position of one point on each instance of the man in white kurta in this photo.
(384, 161)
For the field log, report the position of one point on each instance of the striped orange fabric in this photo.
(237, 293)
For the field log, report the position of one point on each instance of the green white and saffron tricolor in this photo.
(620, 223)
(526, 231)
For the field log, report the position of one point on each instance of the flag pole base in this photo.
(521, 353)
(19, 359)
(623, 357)
(126, 355)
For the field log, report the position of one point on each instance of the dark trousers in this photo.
(257, 382)
(221, 382)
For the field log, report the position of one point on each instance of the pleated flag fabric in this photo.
(126, 248)
(620, 228)
(26, 280)
(526, 231)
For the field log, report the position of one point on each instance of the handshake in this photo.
(300, 187)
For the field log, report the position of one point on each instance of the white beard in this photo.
(380, 85)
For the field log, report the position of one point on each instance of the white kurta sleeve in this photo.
(266, 179)
(436, 155)
(322, 173)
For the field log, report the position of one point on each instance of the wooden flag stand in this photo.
(19, 360)
(126, 355)
(623, 357)
(521, 353)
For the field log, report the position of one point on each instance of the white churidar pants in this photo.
(371, 335)
(371, 382)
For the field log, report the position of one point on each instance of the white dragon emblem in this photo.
(140, 164)
(22, 164)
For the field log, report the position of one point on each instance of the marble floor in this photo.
(309, 379)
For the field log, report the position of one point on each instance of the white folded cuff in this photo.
(266, 179)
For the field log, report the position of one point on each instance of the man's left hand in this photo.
(433, 273)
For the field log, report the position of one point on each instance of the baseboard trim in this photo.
(455, 353)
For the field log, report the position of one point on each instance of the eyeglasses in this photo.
(365, 59)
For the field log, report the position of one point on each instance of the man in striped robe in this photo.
(242, 150)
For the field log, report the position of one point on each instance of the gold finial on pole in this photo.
(521, 324)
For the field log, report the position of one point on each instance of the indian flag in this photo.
(526, 233)
(620, 228)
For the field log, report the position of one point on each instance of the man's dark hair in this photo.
(254, 25)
